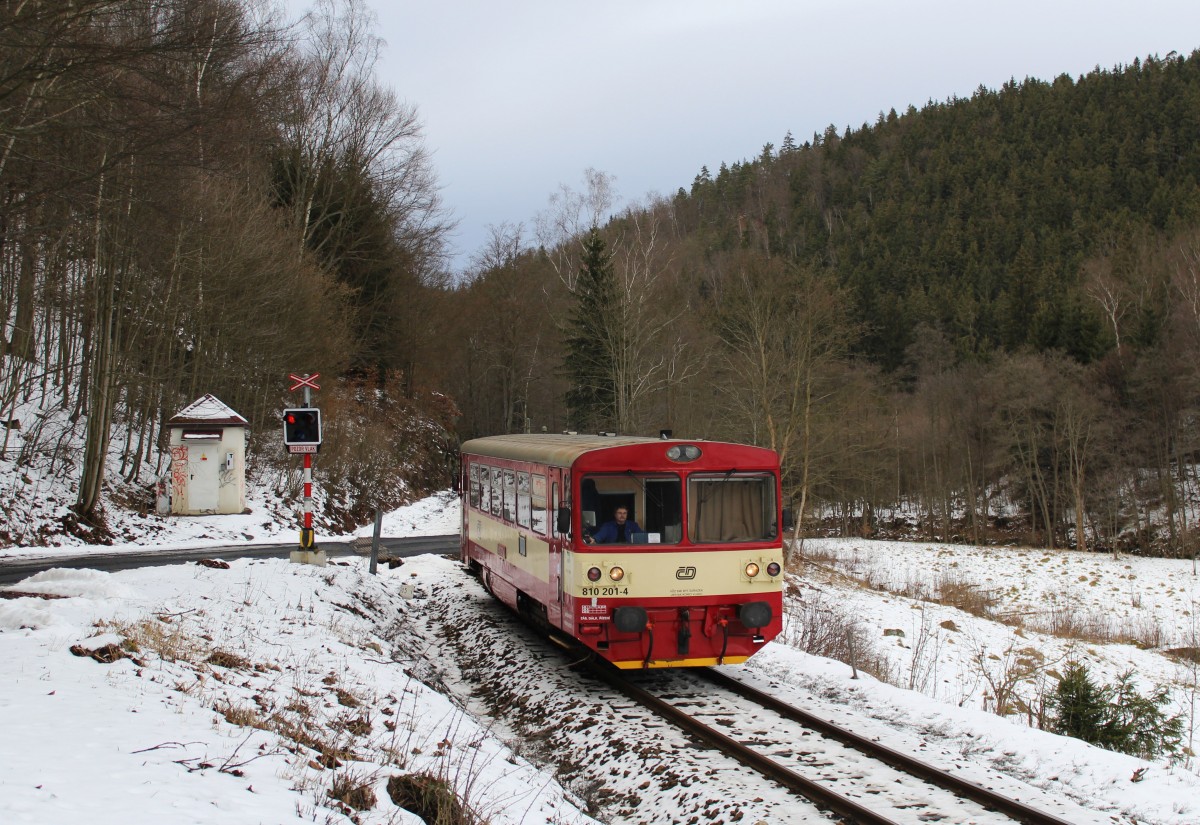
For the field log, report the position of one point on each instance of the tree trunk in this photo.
(100, 398)
(22, 334)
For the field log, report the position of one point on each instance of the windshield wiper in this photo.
(645, 490)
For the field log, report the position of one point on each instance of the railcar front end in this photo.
(695, 579)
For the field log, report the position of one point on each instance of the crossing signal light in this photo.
(302, 427)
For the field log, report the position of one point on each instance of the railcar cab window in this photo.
(731, 507)
(654, 502)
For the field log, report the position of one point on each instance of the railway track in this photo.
(856, 778)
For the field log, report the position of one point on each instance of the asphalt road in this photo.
(21, 567)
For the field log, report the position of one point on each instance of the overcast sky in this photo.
(520, 97)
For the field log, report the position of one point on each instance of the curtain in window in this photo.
(726, 510)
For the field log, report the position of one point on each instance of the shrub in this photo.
(818, 625)
(1114, 716)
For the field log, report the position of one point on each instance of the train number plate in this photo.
(606, 591)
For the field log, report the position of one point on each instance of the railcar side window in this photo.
(538, 501)
(510, 495)
(485, 488)
(473, 481)
(523, 503)
(497, 492)
(731, 507)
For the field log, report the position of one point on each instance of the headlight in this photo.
(773, 569)
(752, 570)
(683, 452)
(616, 574)
(594, 574)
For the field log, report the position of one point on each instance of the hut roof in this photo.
(208, 410)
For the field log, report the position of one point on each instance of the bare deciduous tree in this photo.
(782, 328)
(571, 215)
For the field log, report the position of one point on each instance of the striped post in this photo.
(307, 541)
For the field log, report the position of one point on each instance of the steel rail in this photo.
(752, 759)
(901, 761)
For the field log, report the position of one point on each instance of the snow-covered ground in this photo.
(249, 694)
(1054, 607)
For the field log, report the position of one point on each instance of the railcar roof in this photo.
(557, 450)
(563, 450)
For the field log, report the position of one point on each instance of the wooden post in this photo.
(375, 540)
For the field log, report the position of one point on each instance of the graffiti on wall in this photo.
(179, 472)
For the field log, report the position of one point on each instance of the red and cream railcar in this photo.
(700, 581)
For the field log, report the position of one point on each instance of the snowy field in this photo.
(1111, 614)
(270, 692)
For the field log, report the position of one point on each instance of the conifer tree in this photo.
(1116, 717)
(1078, 705)
(589, 351)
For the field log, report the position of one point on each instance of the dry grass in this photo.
(353, 790)
(325, 723)
(810, 553)
(242, 716)
(817, 624)
(1069, 621)
(297, 723)
(950, 589)
(1016, 681)
(1064, 619)
(969, 597)
(225, 659)
(164, 638)
(430, 798)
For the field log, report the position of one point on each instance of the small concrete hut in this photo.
(208, 459)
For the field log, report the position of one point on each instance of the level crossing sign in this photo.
(304, 381)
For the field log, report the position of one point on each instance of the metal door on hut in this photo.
(203, 481)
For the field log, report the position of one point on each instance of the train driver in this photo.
(620, 530)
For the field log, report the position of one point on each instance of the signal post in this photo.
(302, 436)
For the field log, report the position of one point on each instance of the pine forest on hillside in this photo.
(985, 312)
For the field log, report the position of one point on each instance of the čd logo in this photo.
(685, 573)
